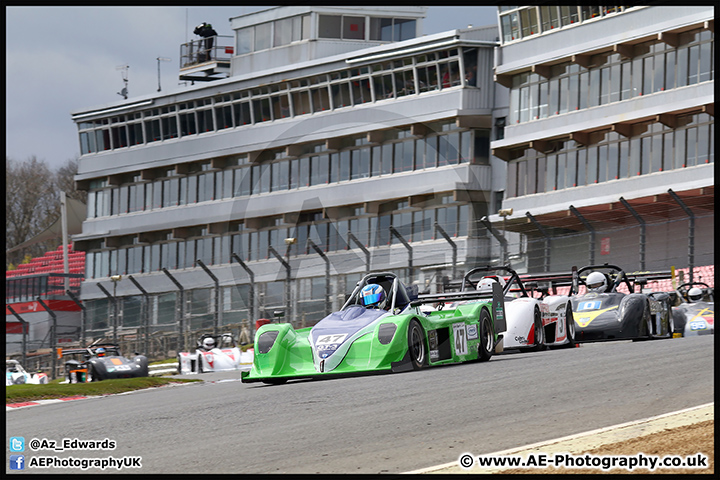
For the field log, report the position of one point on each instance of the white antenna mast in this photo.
(124, 92)
(160, 59)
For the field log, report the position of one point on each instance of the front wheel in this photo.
(487, 337)
(416, 345)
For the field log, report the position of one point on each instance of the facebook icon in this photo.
(17, 462)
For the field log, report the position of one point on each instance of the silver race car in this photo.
(694, 309)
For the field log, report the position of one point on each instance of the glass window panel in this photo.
(657, 154)
(554, 99)
(263, 36)
(682, 67)
(261, 110)
(404, 29)
(282, 34)
(670, 69)
(345, 159)
(594, 88)
(353, 28)
(645, 155)
(659, 73)
(693, 64)
(512, 179)
(705, 62)
(564, 95)
(612, 161)
(581, 166)
(691, 146)
(304, 179)
(329, 26)
(635, 155)
(703, 144)
(624, 158)
(301, 102)
(294, 173)
(570, 170)
(245, 39)
(561, 171)
(376, 167)
(592, 165)
(387, 158)
(531, 183)
(529, 21)
(320, 99)
(551, 173)
(341, 95)
(241, 111)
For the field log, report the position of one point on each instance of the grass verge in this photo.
(29, 393)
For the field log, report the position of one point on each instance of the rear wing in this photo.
(497, 297)
(514, 278)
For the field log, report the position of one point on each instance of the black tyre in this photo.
(416, 345)
(539, 332)
(645, 325)
(570, 325)
(487, 337)
(671, 321)
(274, 381)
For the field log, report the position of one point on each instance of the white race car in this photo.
(532, 323)
(15, 374)
(215, 353)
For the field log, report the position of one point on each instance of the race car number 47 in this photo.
(331, 339)
(460, 335)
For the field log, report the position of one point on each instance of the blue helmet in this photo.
(100, 352)
(373, 296)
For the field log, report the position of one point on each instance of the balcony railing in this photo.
(218, 48)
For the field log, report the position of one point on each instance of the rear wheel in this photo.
(539, 331)
(487, 337)
(570, 325)
(416, 345)
(645, 325)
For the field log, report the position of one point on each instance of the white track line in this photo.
(569, 437)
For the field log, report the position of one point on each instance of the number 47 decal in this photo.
(460, 336)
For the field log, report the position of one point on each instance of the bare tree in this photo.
(32, 203)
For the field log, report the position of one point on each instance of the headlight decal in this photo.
(386, 332)
(266, 341)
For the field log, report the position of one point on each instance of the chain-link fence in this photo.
(162, 324)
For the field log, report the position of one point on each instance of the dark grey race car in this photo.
(613, 315)
(102, 362)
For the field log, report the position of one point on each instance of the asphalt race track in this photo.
(380, 423)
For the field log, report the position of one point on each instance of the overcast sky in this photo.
(63, 59)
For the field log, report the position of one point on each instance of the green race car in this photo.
(384, 326)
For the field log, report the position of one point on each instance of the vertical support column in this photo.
(642, 231)
(181, 320)
(53, 337)
(146, 314)
(500, 238)
(394, 232)
(444, 234)
(319, 251)
(251, 274)
(288, 272)
(546, 255)
(216, 316)
(590, 229)
(113, 299)
(361, 247)
(691, 231)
